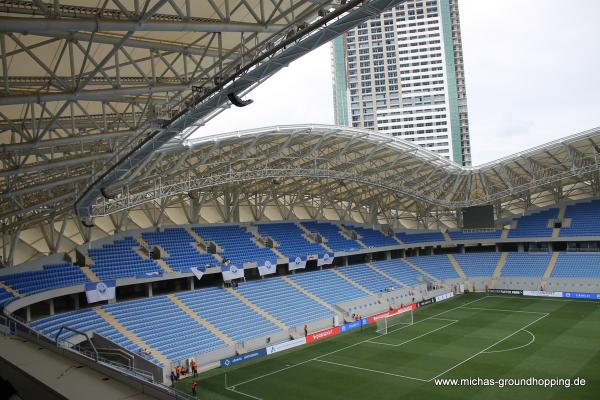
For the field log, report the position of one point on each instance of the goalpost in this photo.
(384, 325)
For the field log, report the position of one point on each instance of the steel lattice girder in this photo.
(73, 84)
(362, 160)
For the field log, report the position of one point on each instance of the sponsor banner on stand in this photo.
(541, 293)
(353, 325)
(231, 272)
(297, 263)
(267, 267)
(313, 337)
(425, 302)
(325, 259)
(581, 295)
(100, 291)
(228, 362)
(506, 291)
(461, 288)
(286, 345)
(397, 311)
(444, 296)
(198, 272)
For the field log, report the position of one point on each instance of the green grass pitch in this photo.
(470, 336)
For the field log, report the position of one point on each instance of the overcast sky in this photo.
(532, 73)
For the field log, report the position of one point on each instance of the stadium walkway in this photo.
(56, 376)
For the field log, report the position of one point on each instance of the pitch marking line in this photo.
(232, 389)
(565, 300)
(489, 347)
(349, 346)
(505, 310)
(415, 338)
(514, 348)
(372, 370)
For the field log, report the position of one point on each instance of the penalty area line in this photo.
(489, 347)
(232, 389)
(372, 370)
(415, 338)
(514, 348)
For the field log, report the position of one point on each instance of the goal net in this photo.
(387, 324)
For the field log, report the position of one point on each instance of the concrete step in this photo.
(505, 233)
(193, 234)
(500, 265)
(421, 271)
(14, 292)
(309, 294)
(141, 253)
(396, 239)
(91, 275)
(257, 309)
(456, 266)
(307, 233)
(216, 331)
(498, 270)
(447, 237)
(204, 243)
(279, 254)
(164, 266)
(380, 272)
(551, 265)
(351, 281)
(549, 269)
(555, 232)
(132, 336)
(346, 234)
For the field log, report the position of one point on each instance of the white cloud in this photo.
(299, 94)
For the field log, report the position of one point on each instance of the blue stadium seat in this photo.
(367, 277)
(585, 219)
(420, 237)
(283, 301)
(180, 245)
(49, 277)
(328, 286)
(373, 237)
(334, 238)
(478, 264)
(438, 266)
(398, 269)
(119, 260)
(577, 265)
(291, 240)
(526, 264)
(229, 314)
(534, 225)
(237, 244)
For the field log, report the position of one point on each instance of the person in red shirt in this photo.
(194, 386)
(194, 368)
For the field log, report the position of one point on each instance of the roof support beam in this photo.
(28, 25)
(91, 95)
(134, 43)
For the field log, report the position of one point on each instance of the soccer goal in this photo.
(385, 325)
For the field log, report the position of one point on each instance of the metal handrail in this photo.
(67, 328)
